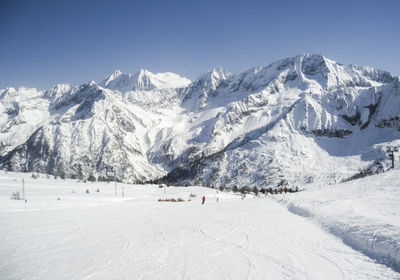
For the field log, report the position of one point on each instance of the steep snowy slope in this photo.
(88, 130)
(21, 112)
(143, 80)
(300, 119)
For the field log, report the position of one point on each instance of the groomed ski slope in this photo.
(364, 213)
(100, 236)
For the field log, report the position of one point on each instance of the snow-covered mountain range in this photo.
(301, 119)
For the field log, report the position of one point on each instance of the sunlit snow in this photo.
(63, 232)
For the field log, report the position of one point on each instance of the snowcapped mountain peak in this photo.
(57, 91)
(10, 91)
(143, 80)
(212, 79)
(116, 73)
(111, 78)
(22, 93)
(198, 92)
(315, 72)
(314, 61)
(296, 63)
(144, 72)
(215, 75)
(311, 56)
(220, 73)
(148, 124)
(61, 87)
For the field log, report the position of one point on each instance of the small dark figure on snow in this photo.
(203, 199)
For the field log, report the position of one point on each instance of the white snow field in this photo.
(97, 235)
(364, 213)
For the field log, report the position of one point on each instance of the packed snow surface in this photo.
(98, 235)
(364, 213)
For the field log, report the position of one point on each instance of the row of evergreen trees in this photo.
(245, 190)
(91, 177)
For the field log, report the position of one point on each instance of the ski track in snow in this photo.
(145, 239)
(220, 240)
(109, 262)
(365, 219)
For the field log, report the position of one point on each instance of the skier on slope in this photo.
(203, 199)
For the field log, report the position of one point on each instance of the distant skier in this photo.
(204, 199)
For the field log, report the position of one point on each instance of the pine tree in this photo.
(91, 178)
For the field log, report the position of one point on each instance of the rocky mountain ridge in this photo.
(299, 120)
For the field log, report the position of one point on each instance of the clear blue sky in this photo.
(43, 43)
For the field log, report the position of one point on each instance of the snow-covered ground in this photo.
(364, 213)
(98, 235)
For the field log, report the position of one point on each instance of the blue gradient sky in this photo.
(43, 43)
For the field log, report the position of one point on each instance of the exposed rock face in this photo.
(301, 119)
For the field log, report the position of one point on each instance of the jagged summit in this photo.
(11, 94)
(214, 75)
(57, 91)
(110, 78)
(143, 80)
(197, 93)
(312, 72)
(300, 119)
